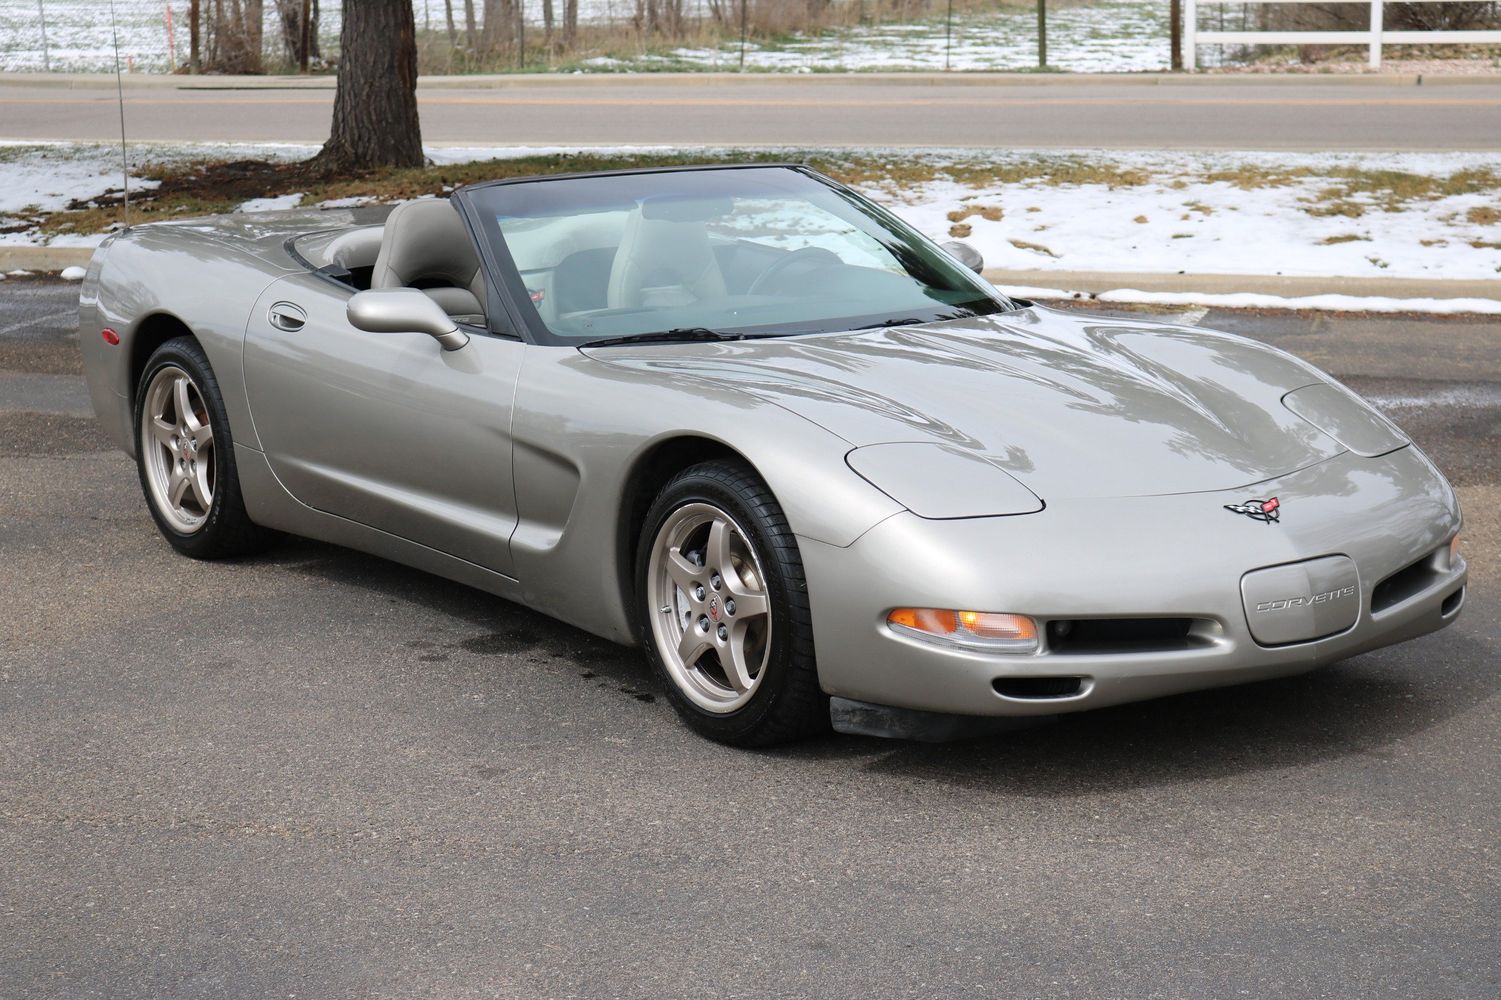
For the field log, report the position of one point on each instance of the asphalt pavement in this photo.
(318, 774)
(1029, 111)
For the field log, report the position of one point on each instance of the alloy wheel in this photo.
(177, 448)
(710, 613)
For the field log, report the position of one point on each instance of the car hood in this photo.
(1072, 406)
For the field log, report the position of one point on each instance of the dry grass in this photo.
(1336, 207)
(215, 187)
(987, 212)
(1483, 215)
(961, 229)
(1329, 241)
(206, 188)
(1034, 247)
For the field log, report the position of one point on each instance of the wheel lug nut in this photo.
(724, 633)
(729, 607)
(703, 624)
(698, 591)
(716, 581)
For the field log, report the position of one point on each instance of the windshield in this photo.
(757, 251)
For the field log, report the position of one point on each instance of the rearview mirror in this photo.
(966, 255)
(404, 310)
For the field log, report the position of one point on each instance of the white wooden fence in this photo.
(1374, 37)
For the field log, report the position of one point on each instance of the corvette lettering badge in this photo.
(1265, 511)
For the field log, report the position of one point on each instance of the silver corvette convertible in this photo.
(806, 458)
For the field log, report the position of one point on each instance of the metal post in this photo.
(46, 53)
(1377, 20)
(1042, 34)
(1190, 30)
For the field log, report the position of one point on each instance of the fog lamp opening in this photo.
(983, 631)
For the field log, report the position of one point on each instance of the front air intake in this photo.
(1406, 583)
(1037, 688)
(1098, 636)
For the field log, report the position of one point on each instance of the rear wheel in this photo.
(185, 456)
(725, 619)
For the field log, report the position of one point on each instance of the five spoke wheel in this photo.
(712, 622)
(177, 448)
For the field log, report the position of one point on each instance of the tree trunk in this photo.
(520, 11)
(232, 37)
(547, 24)
(496, 27)
(570, 22)
(453, 34)
(375, 101)
(1175, 34)
(196, 63)
(255, 25)
(471, 39)
(298, 38)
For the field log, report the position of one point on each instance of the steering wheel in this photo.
(810, 257)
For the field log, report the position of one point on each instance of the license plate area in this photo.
(1302, 601)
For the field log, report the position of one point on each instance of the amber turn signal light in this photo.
(984, 631)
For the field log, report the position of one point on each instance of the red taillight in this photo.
(110, 337)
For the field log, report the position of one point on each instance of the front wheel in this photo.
(725, 619)
(185, 456)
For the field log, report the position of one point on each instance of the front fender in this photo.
(582, 425)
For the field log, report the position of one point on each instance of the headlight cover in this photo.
(1347, 418)
(940, 482)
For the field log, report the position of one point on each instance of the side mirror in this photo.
(404, 310)
(966, 255)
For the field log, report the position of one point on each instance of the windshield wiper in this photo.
(680, 334)
(904, 321)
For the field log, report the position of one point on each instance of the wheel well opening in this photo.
(153, 332)
(650, 474)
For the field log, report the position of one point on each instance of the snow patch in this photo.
(277, 204)
(1257, 300)
(74, 273)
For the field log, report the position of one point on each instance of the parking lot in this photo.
(318, 774)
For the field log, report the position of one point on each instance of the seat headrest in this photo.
(425, 242)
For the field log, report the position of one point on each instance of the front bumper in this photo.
(1179, 556)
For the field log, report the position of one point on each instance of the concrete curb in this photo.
(57, 258)
(147, 81)
(43, 258)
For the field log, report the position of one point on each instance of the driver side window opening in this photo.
(423, 245)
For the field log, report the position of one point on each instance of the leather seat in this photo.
(425, 245)
(661, 263)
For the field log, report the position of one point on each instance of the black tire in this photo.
(787, 704)
(227, 530)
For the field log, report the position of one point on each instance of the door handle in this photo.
(286, 316)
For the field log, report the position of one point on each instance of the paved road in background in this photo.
(319, 774)
(814, 111)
